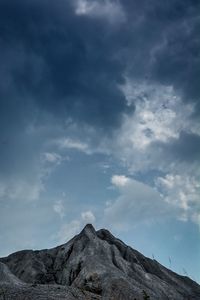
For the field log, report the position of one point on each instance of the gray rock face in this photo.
(97, 265)
(7, 277)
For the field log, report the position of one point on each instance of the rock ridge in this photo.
(101, 266)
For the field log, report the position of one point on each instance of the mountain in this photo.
(92, 265)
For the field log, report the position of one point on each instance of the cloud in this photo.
(21, 189)
(52, 158)
(75, 77)
(158, 116)
(59, 208)
(68, 143)
(182, 191)
(158, 144)
(158, 131)
(120, 180)
(111, 11)
(88, 217)
(168, 44)
(131, 92)
(186, 148)
(180, 52)
(78, 79)
(137, 203)
(78, 75)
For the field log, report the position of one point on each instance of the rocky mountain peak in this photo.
(98, 266)
(89, 231)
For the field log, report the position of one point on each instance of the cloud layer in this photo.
(110, 81)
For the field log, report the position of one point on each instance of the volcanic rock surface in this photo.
(92, 265)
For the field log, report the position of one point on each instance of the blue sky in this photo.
(99, 118)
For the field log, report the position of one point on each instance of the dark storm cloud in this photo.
(66, 64)
(177, 60)
(56, 63)
(177, 63)
(165, 44)
(71, 65)
(56, 66)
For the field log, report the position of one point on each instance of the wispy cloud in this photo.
(182, 191)
(137, 203)
(68, 143)
(52, 157)
(59, 208)
(110, 10)
(21, 189)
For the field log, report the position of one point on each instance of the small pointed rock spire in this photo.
(88, 230)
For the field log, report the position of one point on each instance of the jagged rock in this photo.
(96, 264)
(7, 277)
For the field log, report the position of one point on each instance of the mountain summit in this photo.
(92, 265)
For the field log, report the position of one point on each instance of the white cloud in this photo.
(52, 157)
(182, 191)
(120, 180)
(144, 144)
(110, 10)
(157, 118)
(26, 187)
(88, 217)
(59, 208)
(67, 143)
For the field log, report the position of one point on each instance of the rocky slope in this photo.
(93, 265)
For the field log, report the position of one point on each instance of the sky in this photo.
(99, 123)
